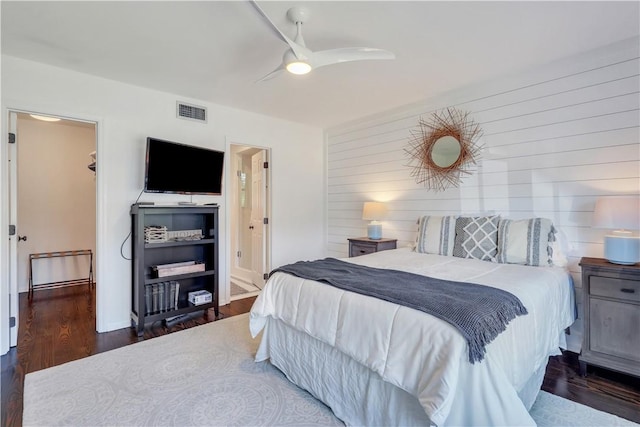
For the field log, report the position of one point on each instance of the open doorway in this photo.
(53, 205)
(249, 223)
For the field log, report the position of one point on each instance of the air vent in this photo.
(191, 112)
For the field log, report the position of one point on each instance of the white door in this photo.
(13, 219)
(258, 218)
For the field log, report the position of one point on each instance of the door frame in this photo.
(7, 282)
(263, 227)
(228, 232)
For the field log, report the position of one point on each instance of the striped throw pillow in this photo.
(526, 241)
(436, 235)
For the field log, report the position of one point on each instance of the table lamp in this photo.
(620, 214)
(374, 211)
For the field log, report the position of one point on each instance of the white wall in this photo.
(56, 198)
(126, 115)
(555, 139)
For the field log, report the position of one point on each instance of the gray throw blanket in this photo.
(479, 312)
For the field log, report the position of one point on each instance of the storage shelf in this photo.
(177, 277)
(146, 256)
(190, 308)
(207, 241)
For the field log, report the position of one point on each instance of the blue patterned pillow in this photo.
(477, 237)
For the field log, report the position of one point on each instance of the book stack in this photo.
(161, 297)
(155, 234)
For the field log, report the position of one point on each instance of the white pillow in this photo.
(526, 241)
(560, 247)
(436, 235)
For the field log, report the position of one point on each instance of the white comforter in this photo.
(426, 356)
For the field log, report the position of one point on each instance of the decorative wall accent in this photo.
(444, 149)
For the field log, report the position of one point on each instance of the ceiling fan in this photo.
(299, 59)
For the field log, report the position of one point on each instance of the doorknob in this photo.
(251, 227)
(22, 238)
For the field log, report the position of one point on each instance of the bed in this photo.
(374, 362)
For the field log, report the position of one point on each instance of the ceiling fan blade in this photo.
(301, 52)
(348, 54)
(272, 74)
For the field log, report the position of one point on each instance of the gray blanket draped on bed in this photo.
(479, 312)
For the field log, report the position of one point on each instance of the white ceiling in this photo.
(216, 50)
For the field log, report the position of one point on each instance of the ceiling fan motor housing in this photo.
(298, 14)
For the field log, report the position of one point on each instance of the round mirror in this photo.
(445, 151)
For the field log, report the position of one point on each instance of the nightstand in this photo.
(611, 316)
(364, 245)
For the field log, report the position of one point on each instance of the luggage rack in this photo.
(60, 283)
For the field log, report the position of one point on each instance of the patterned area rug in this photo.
(205, 376)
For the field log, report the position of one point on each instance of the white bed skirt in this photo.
(356, 394)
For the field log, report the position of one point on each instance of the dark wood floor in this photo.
(59, 326)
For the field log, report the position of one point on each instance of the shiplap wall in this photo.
(555, 138)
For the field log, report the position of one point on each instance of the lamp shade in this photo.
(374, 211)
(617, 213)
(621, 214)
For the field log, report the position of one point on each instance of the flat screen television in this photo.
(171, 167)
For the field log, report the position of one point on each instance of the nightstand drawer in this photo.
(628, 290)
(358, 249)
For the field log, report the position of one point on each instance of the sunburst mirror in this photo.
(444, 149)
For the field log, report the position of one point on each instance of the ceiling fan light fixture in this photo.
(294, 64)
(298, 67)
